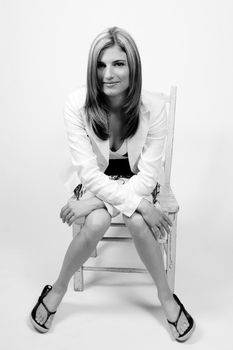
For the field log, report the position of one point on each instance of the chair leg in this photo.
(78, 280)
(94, 253)
(171, 253)
(78, 275)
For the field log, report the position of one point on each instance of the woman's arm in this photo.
(85, 162)
(154, 218)
(75, 209)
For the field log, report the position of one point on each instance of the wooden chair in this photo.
(168, 204)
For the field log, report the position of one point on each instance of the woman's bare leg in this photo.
(151, 255)
(79, 250)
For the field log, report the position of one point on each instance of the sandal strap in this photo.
(48, 311)
(178, 317)
(187, 315)
(45, 291)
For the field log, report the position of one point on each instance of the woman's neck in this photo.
(115, 103)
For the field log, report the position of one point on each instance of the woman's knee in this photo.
(136, 225)
(98, 221)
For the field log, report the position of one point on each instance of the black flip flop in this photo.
(187, 333)
(41, 327)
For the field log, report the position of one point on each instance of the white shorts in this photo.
(81, 193)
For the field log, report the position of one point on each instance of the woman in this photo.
(116, 133)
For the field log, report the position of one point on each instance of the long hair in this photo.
(95, 106)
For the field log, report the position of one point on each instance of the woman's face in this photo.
(113, 72)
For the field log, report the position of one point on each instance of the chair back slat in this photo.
(171, 100)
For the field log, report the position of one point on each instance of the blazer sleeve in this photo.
(150, 160)
(124, 198)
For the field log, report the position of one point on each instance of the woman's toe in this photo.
(183, 323)
(179, 329)
(40, 319)
(183, 328)
(174, 331)
(49, 321)
(38, 316)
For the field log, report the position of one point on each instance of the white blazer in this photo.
(90, 154)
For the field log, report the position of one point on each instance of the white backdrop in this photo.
(44, 48)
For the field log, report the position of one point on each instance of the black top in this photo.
(119, 167)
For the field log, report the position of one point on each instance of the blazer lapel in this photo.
(135, 143)
(100, 148)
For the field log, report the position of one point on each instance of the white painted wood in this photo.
(170, 135)
(78, 275)
(167, 200)
(115, 269)
(79, 280)
(171, 253)
(94, 253)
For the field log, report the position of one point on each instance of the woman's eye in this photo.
(119, 64)
(100, 65)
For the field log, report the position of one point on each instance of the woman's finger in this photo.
(165, 226)
(155, 231)
(72, 220)
(65, 213)
(162, 234)
(63, 209)
(68, 216)
(166, 218)
(162, 238)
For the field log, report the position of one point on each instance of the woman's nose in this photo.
(108, 73)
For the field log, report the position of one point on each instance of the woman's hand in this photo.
(157, 221)
(75, 209)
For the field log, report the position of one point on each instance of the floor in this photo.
(116, 310)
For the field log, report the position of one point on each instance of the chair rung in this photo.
(115, 269)
(117, 224)
(117, 239)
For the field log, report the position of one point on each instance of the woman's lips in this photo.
(111, 84)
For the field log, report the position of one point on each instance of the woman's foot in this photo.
(44, 311)
(172, 309)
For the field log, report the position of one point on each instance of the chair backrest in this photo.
(170, 101)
